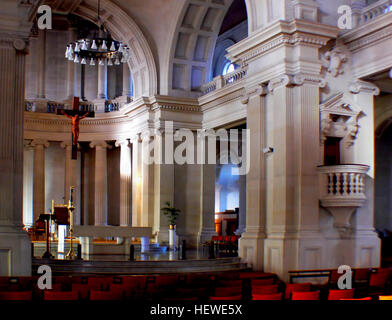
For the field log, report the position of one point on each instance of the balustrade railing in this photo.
(226, 80)
(374, 10)
(343, 181)
(44, 106)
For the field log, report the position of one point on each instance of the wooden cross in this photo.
(75, 115)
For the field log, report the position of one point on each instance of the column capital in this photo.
(299, 79)
(122, 143)
(66, 144)
(40, 142)
(136, 138)
(259, 89)
(99, 143)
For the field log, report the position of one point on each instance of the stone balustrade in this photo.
(343, 182)
(374, 10)
(226, 80)
(47, 106)
(342, 191)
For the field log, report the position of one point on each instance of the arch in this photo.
(193, 42)
(383, 117)
(125, 29)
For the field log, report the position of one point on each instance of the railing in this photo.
(343, 181)
(45, 106)
(373, 11)
(226, 80)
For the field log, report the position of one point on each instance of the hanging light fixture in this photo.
(100, 47)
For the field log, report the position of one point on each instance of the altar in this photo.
(124, 235)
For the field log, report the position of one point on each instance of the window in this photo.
(229, 67)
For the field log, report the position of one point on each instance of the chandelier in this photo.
(101, 48)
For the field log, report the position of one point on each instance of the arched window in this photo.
(229, 67)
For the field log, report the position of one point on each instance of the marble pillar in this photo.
(207, 190)
(15, 247)
(125, 182)
(147, 182)
(251, 243)
(101, 183)
(39, 177)
(71, 179)
(136, 180)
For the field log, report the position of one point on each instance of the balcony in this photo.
(371, 12)
(342, 191)
(224, 81)
(46, 106)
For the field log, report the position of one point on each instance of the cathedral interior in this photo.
(232, 143)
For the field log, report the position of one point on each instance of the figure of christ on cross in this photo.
(75, 115)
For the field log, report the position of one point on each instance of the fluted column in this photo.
(252, 241)
(126, 92)
(15, 246)
(70, 178)
(102, 76)
(136, 180)
(39, 177)
(125, 182)
(101, 185)
(147, 182)
(207, 190)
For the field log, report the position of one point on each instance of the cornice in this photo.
(281, 33)
(368, 39)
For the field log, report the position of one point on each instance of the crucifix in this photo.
(75, 115)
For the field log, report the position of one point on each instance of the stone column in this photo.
(136, 180)
(39, 177)
(147, 183)
(163, 181)
(207, 190)
(102, 77)
(15, 249)
(28, 168)
(126, 92)
(252, 241)
(242, 198)
(71, 68)
(125, 182)
(71, 179)
(101, 184)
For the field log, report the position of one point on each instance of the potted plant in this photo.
(172, 214)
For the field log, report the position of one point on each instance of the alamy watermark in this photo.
(184, 146)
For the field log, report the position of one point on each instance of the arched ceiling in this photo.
(191, 55)
(123, 28)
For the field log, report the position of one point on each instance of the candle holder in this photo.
(71, 254)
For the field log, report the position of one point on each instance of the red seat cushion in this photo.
(105, 295)
(298, 287)
(227, 291)
(237, 297)
(16, 295)
(262, 282)
(265, 289)
(340, 294)
(379, 279)
(63, 296)
(273, 296)
(367, 298)
(313, 295)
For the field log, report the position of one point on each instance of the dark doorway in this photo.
(332, 151)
